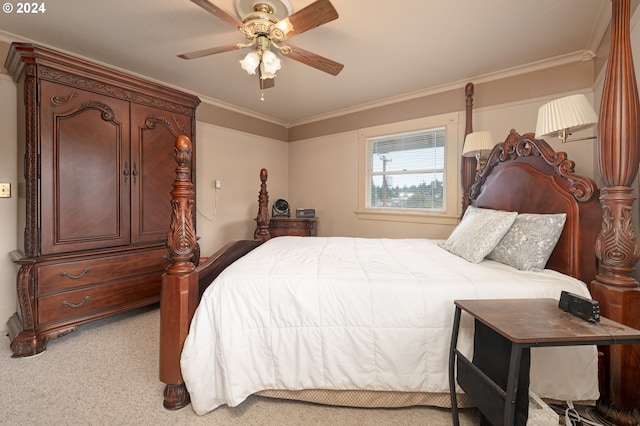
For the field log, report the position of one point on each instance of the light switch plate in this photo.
(5, 190)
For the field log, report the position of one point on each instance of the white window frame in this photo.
(449, 215)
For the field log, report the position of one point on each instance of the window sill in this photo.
(411, 217)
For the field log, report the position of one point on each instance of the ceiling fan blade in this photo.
(217, 12)
(317, 13)
(312, 59)
(211, 51)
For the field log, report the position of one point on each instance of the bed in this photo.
(324, 315)
(522, 174)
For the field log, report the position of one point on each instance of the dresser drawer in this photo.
(67, 275)
(114, 296)
(298, 227)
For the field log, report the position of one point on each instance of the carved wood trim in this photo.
(262, 219)
(582, 188)
(58, 76)
(26, 291)
(176, 396)
(31, 243)
(181, 237)
(106, 113)
(153, 120)
(617, 246)
(61, 100)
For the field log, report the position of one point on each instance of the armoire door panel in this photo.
(153, 159)
(84, 170)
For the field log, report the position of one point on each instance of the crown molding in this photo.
(600, 27)
(10, 38)
(579, 56)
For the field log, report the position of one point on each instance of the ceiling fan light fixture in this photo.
(270, 62)
(250, 62)
(284, 26)
(264, 24)
(264, 74)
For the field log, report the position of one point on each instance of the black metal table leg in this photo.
(452, 366)
(512, 385)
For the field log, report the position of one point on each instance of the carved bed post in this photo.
(467, 164)
(262, 220)
(179, 292)
(617, 246)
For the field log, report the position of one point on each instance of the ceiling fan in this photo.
(265, 24)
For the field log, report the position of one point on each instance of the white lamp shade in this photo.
(271, 62)
(264, 74)
(250, 62)
(569, 113)
(477, 143)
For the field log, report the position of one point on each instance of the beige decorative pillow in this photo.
(478, 233)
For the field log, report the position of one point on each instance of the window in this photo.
(406, 170)
(409, 171)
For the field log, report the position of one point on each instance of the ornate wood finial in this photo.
(181, 237)
(262, 220)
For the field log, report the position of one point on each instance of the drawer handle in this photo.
(76, 305)
(75, 277)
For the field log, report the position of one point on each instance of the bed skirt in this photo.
(382, 399)
(368, 399)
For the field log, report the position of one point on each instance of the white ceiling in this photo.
(390, 50)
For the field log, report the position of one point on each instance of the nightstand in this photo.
(497, 380)
(299, 227)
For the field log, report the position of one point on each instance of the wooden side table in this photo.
(299, 227)
(521, 324)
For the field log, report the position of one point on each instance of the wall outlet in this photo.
(5, 190)
(218, 184)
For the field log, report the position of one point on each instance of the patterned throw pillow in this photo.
(530, 241)
(479, 231)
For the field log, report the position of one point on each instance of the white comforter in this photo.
(354, 313)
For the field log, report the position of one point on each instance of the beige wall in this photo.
(323, 175)
(8, 206)
(234, 158)
(323, 171)
(536, 83)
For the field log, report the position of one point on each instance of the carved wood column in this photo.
(467, 164)
(262, 220)
(617, 246)
(179, 291)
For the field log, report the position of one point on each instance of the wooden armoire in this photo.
(96, 165)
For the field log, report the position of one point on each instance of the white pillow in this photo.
(479, 231)
(530, 241)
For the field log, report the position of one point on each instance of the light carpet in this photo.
(106, 373)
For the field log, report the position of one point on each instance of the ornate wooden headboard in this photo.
(552, 187)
